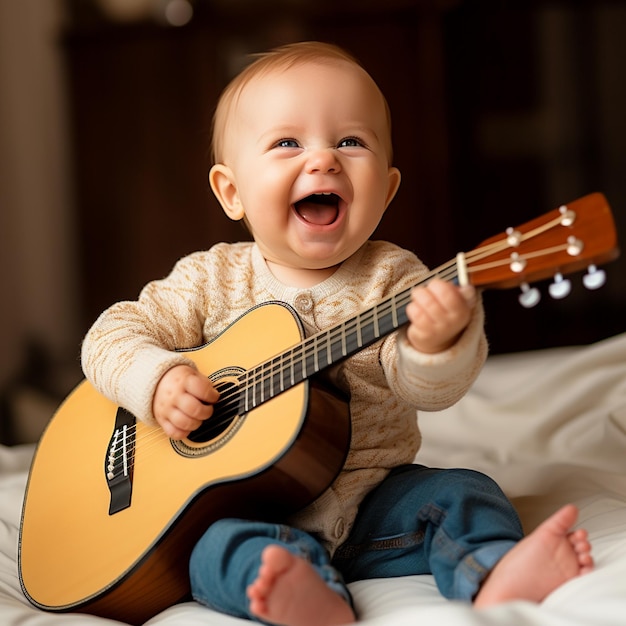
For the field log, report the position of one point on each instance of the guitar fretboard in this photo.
(322, 350)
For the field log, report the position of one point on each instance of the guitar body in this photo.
(131, 564)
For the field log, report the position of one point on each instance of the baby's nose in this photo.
(323, 161)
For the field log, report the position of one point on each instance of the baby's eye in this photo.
(287, 143)
(350, 142)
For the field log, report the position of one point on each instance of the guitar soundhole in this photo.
(225, 412)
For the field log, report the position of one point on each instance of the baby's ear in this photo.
(222, 181)
(393, 182)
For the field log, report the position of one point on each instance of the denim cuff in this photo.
(475, 567)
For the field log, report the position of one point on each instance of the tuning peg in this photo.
(568, 217)
(594, 278)
(574, 246)
(560, 288)
(518, 263)
(529, 297)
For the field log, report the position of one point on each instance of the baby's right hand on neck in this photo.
(183, 399)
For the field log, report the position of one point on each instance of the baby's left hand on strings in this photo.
(438, 313)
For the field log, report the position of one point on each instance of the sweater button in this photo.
(339, 528)
(304, 302)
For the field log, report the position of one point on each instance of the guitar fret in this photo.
(252, 392)
(247, 393)
(266, 381)
(261, 384)
(316, 363)
(352, 343)
(336, 347)
(303, 364)
(329, 349)
(258, 387)
(281, 373)
(277, 376)
(311, 363)
(367, 333)
(255, 387)
(359, 336)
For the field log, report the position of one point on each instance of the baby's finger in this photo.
(194, 408)
(202, 388)
(179, 424)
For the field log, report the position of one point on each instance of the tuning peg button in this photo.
(529, 297)
(568, 217)
(513, 237)
(594, 278)
(518, 263)
(560, 288)
(574, 246)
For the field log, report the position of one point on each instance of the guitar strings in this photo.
(260, 375)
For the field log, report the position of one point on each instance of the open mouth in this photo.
(320, 209)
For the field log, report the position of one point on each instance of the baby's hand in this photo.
(183, 399)
(438, 314)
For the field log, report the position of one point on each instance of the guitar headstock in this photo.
(570, 238)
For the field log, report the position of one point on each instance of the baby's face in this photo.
(307, 159)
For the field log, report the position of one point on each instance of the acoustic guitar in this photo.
(113, 507)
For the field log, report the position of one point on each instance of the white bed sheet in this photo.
(549, 426)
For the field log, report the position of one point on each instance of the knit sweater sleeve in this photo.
(133, 343)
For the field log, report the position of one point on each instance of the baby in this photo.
(302, 151)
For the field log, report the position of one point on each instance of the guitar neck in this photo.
(564, 240)
(328, 347)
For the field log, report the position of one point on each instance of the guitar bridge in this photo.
(119, 461)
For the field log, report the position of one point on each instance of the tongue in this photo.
(320, 214)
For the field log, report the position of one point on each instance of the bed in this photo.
(548, 425)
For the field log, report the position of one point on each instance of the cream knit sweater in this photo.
(132, 344)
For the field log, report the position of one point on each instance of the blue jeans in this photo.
(455, 524)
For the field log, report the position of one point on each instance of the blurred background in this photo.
(502, 111)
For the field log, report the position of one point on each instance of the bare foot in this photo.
(289, 592)
(550, 556)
